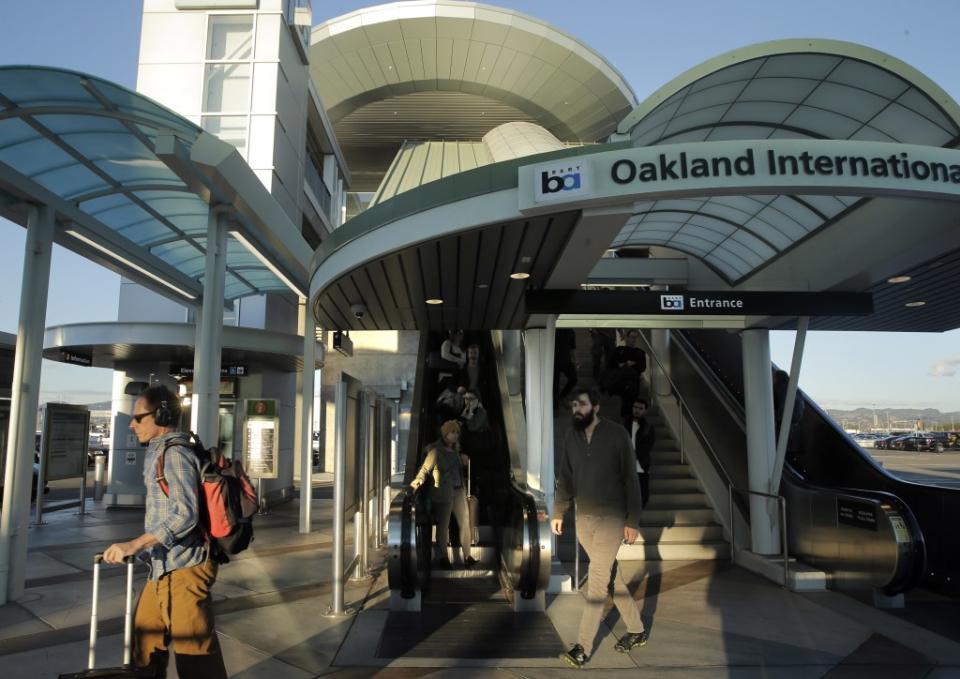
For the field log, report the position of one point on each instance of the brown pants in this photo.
(601, 537)
(177, 609)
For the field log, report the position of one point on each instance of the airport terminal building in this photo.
(299, 210)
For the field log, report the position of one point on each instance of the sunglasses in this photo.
(138, 417)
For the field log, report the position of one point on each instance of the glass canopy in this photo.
(91, 143)
(810, 94)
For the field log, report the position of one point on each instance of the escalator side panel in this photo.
(827, 461)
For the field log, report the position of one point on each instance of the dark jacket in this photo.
(601, 475)
(643, 442)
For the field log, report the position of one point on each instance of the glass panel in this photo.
(231, 129)
(227, 87)
(766, 231)
(68, 182)
(230, 37)
(145, 232)
(139, 171)
(908, 127)
(817, 66)
(849, 101)
(35, 156)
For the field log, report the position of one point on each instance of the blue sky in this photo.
(650, 43)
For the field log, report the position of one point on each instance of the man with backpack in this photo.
(176, 605)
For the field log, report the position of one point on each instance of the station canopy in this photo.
(788, 89)
(132, 185)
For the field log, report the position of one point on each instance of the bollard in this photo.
(99, 466)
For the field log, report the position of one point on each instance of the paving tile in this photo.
(15, 621)
(41, 565)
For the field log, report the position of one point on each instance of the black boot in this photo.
(575, 657)
(629, 641)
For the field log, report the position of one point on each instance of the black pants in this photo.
(644, 486)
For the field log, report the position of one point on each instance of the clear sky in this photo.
(650, 42)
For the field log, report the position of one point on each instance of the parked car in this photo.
(883, 443)
(917, 442)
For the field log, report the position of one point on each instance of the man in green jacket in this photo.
(598, 469)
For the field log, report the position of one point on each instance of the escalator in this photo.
(847, 516)
(497, 603)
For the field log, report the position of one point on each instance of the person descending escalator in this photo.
(476, 444)
(624, 380)
(643, 435)
(444, 465)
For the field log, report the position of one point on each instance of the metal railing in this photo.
(782, 512)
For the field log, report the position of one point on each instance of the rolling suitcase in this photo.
(473, 508)
(127, 669)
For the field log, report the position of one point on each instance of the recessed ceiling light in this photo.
(483, 286)
(519, 276)
(914, 304)
(434, 300)
(899, 279)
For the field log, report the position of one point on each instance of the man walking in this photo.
(598, 469)
(643, 435)
(176, 604)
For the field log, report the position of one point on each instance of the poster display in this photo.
(261, 438)
(64, 441)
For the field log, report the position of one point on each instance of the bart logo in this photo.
(671, 302)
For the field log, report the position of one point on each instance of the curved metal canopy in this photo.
(128, 183)
(444, 47)
(818, 89)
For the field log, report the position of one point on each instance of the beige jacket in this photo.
(443, 465)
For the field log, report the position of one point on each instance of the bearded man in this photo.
(599, 470)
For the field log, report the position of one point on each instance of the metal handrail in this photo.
(675, 391)
(782, 511)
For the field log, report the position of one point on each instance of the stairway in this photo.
(678, 523)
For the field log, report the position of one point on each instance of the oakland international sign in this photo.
(738, 168)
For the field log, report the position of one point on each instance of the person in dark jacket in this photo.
(631, 363)
(643, 435)
(598, 468)
(565, 363)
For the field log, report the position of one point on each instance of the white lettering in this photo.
(697, 303)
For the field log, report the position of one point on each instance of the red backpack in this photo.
(228, 500)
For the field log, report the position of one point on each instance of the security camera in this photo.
(359, 310)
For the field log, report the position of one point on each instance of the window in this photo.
(230, 38)
(227, 76)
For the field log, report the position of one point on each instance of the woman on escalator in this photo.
(444, 464)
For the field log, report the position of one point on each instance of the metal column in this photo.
(758, 397)
(306, 415)
(337, 608)
(205, 415)
(25, 398)
(790, 398)
(538, 377)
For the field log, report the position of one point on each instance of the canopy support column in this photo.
(758, 398)
(25, 399)
(308, 380)
(538, 377)
(786, 417)
(205, 411)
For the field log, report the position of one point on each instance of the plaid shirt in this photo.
(173, 520)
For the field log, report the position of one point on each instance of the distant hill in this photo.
(866, 419)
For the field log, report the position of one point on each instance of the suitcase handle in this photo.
(127, 618)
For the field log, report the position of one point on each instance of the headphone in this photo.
(163, 415)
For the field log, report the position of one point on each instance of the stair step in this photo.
(677, 516)
(662, 457)
(680, 534)
(664, 486)
(677, 501)
(670, 471)
(694, 551)
(463, 573)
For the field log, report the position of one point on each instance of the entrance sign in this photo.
(261, 438)
(699, 303)
(793, 166)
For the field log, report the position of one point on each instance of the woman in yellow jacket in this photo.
(448, 495)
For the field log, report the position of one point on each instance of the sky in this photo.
(650, 42)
